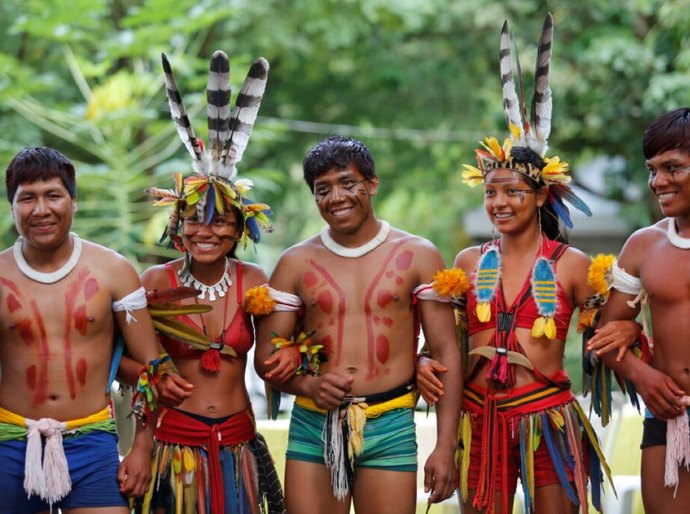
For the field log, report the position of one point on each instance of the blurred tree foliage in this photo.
(416, 80)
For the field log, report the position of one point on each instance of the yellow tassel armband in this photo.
(258, 301)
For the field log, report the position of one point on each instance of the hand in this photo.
(428, 383)
(615, 335)
(329, 390)
(285, 361)
(660, 393)
(173, 390)
(134, 472)
(440, 475)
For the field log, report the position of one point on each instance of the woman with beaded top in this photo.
(520, 417)
(208, 457)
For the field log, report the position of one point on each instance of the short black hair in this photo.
(38, 163)
(669, 131)
(337, 152)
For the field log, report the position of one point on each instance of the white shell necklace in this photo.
(53, 276)
(674, 238)
(220, 287)
(359, 251)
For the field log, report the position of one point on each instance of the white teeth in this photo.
(664, 196)
(502, 215)
(206, 246)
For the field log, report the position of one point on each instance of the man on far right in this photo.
(653, 269)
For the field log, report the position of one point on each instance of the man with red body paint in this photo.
(355, 282)
(58, 295)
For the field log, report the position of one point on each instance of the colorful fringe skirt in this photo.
(223, 468)
(527, 419)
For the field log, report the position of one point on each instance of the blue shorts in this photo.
(92, 459)
(389, 440)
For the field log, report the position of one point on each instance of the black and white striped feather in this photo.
(218, 103)
(511, 102)
(179, 113)
(243, 116)
(540, 115)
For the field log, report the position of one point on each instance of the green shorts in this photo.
(389, 440)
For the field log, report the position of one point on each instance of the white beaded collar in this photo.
(359, 251)
(53, 276)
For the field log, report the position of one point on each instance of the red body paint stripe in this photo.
(341, 307)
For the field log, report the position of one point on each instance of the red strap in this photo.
(172, 276)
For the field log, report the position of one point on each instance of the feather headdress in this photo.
(214, 186)
(525, 150)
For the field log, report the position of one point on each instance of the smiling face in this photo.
(343, 197)
(43, 212)
(210, 243)
(669, 180)
(510, 202)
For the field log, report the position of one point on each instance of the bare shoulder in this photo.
(418, 243)
(157, 277)
(252, 275)
(291, 264)
(113, 269)
(639, 245)
(573, 257)
(467, 258)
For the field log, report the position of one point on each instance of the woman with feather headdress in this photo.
(520, 416)
(208, 457)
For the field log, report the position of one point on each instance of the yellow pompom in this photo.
(550, 328)
(599, 274)
(483, 311)
(451, 282)
(538, 327)
(258, 301)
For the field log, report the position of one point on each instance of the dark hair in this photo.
(669, 131)
(337, 152)
(550, 224)
(38, 163)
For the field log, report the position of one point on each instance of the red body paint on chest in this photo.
(403, 261)
(90, 289)
(77, 312)
(372, 347)
(43, 356)
(25, 331)
(309, 279)
(382, 348)
(31, 377)
(384, 298)
(81, 371)
(12, 303)
(340, 305)
(327, 343)
(325, 301)
(80, 322)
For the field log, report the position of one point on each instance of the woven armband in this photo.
(263, 300)
(310, 353)
(145, 395)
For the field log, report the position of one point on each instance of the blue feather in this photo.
(556, 459)
(487, 275)
(230, 487)
(544, 287)
(596, 477)
(253, 229)
(115, 362)
(567, 194)
(561, 210)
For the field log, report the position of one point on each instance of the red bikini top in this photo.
(526, 311)
(239, 335)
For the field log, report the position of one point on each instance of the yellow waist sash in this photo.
(406, 401)
(16, 419)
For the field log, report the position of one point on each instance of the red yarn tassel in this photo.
(210, 360)
(498, 374)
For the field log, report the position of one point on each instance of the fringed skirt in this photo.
(219, 469)
(537, 425)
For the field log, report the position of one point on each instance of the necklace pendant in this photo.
(220, 287)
